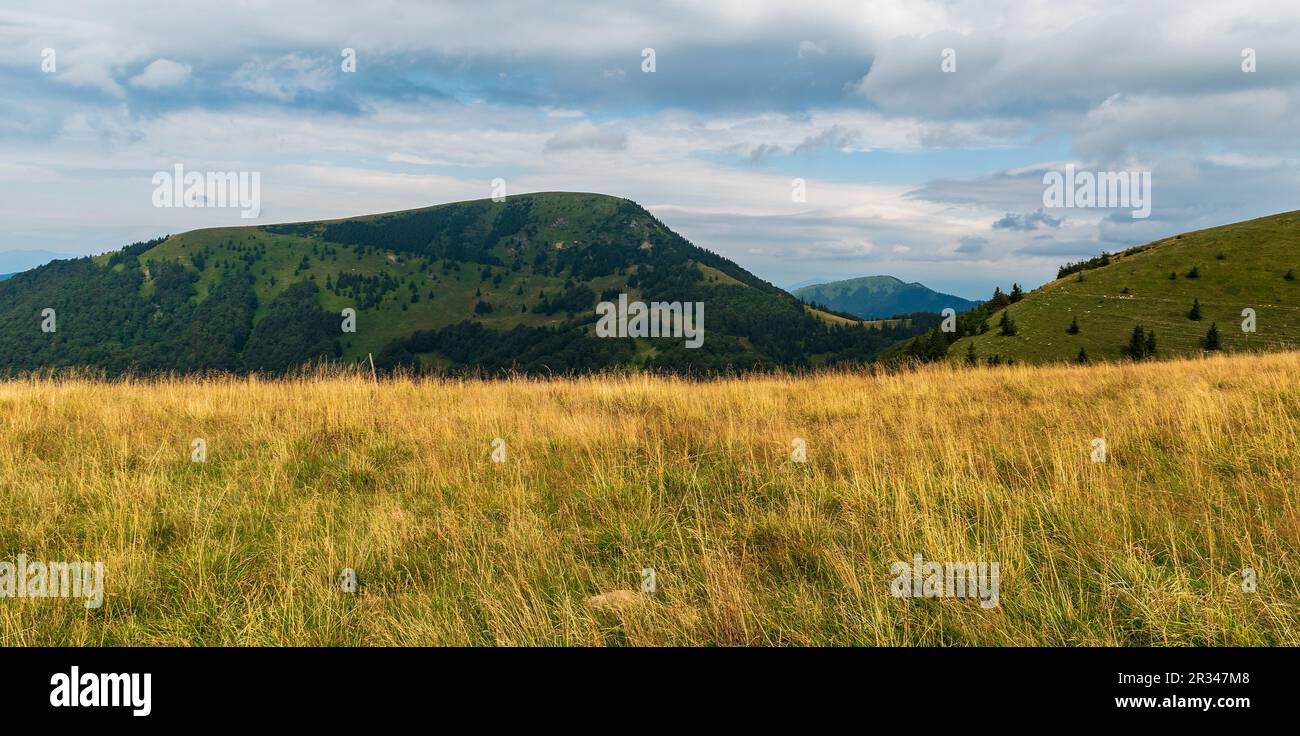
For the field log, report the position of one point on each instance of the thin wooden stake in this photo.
(372, 367)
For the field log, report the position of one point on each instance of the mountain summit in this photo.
(873, 297)
(479, 285)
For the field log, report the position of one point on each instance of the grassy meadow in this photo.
(605, 476)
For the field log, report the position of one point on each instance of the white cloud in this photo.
(162, 73)
(286, 77)
(1152, 85)
(812, 48)
(406, 158)
(588, 135)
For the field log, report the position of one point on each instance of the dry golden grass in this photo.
(605, 476)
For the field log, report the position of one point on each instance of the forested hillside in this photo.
(479, 285)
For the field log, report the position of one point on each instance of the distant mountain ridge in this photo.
(875, 297)
(806, 282)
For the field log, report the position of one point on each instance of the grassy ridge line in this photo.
(1240, 265)
(835, 319)
(605, 476)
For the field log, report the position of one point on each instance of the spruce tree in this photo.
(1073, 329)
(971, 358)
(998, 300)
(1151, 344)
(1016, 293)
(1195, 314)
(1137, 344)
(936, 348)
(1211, 341)
(1007, 327)
(1083, 357)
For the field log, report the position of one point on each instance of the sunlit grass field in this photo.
(606, 476)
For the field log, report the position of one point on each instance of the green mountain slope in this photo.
(873, 297)
(470, 285)
(1224, 270)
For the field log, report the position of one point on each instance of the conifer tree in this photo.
(1212, 341)
(998, 301)
(1137, 344)
(936, 348)
(1007, 327)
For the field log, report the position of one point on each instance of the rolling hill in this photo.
(478, 285)
(873, 297)
(1220, 271)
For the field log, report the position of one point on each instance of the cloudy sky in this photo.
(910, 170)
